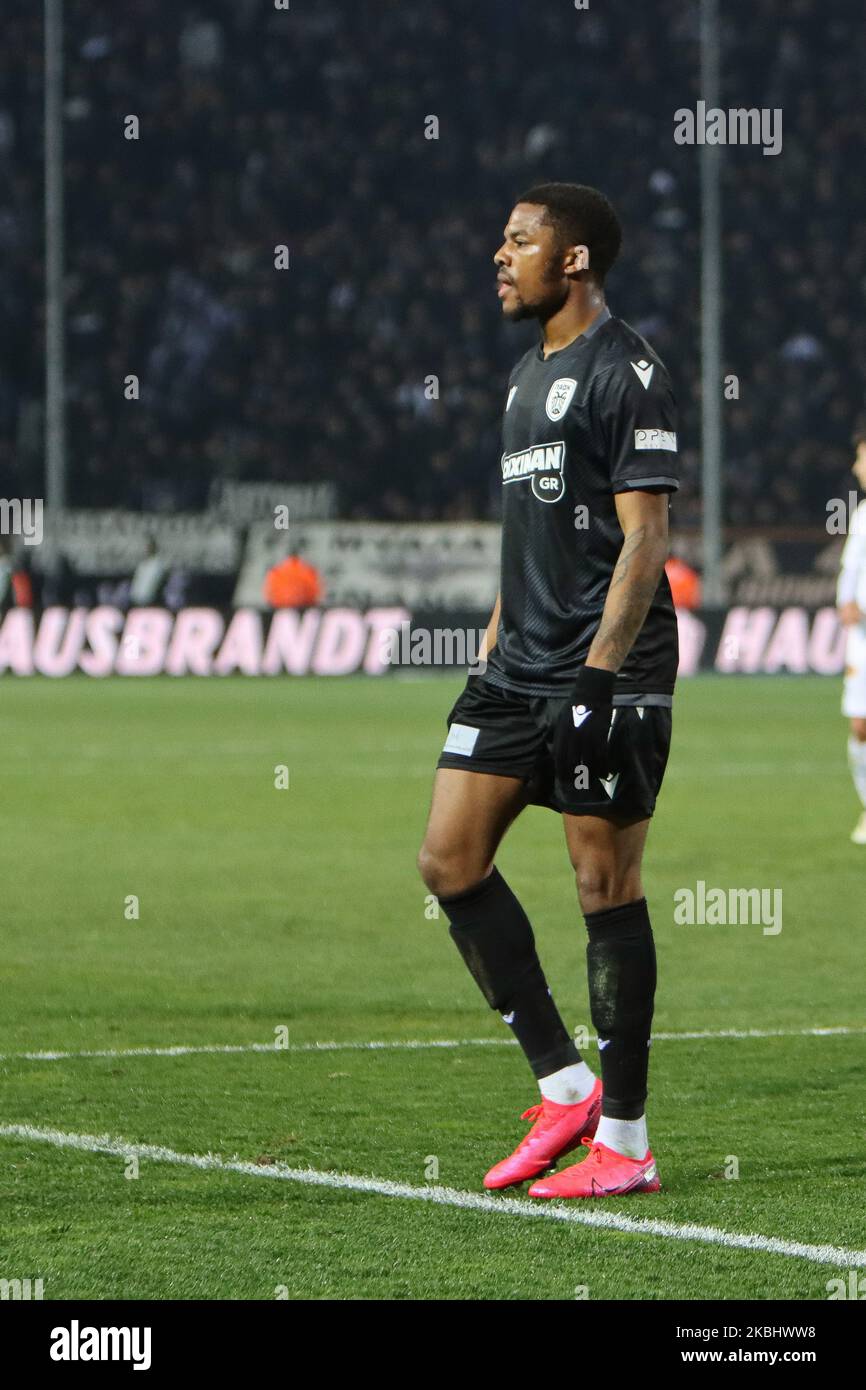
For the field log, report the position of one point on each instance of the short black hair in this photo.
(859, 435)
(581, 216)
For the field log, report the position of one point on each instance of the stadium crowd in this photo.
(307, 128)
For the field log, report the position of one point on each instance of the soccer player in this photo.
(851, 602)
(573, 710)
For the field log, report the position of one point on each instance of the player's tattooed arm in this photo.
(643, 517)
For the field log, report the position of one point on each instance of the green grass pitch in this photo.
(262, 909)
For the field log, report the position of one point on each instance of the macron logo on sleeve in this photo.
(644, 372)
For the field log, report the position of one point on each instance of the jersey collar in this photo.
(581, 337)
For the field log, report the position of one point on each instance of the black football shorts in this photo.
(495, 730)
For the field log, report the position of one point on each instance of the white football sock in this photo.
(626, 1137)
(568, 1085)
(857, 764)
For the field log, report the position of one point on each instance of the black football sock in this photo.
(493, 935)
(621, 967)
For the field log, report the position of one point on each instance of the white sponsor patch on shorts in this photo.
(461, 739)
(656, 439)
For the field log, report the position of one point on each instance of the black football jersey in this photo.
(596, 418)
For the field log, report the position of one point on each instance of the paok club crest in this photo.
(559, 397)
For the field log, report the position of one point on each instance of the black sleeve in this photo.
(639, 426)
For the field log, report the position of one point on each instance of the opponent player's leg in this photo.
(857, 764)
(469, 816)
(854, 710)
(621, 969)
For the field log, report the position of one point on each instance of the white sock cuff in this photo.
(628, 1137)
(569, 1085)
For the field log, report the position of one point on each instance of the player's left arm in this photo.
(637, 414)
(643, 517)
(584, 723)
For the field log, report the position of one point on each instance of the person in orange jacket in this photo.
(685, 583)
(293, 583)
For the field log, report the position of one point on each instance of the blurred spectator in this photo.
(175, 595)
(685, 583)
(22, 581)
(6, 592)
(148, 577)
(293, 583)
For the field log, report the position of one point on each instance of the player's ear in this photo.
(577, 259)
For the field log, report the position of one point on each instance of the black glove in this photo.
(584, 724)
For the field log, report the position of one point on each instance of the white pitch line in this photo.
(407, 1044)
(447, 1196)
